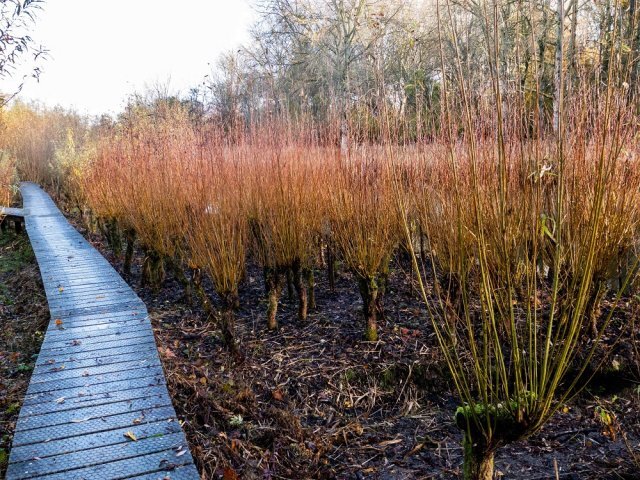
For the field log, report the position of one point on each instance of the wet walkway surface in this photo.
(97, 406)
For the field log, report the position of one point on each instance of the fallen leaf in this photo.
(131, 436)
(60, 289)
(167, 465)
(180, 453)
(277, 395)
(58, 322)
(169, 353)
(80, 420)
(230, 474)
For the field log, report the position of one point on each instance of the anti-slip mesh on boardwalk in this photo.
(97, 406)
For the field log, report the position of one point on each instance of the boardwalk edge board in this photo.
(97, 406)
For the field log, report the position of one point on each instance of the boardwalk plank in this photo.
(62, 404)
(106, 438)
(101, 455)
(97, 390)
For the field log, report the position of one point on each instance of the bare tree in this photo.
(16, 16)
(558, 76)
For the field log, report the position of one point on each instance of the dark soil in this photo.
(314, 400)
(23, 319)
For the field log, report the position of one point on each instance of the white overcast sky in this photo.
(103, 50)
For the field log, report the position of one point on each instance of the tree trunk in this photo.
(478, 461)
(369, 292)
(344, 135)
(196, 280)
(296, 273)
(634, 55)
(178, 272)
(274, 286)
(311, 286)
(227, 321)
(593, 306)
(113, 237)
(88, 219)
(382, 283)
(423, 255)
(558, 71)
(130, 235)
(290, 284)
(153, 273)
(605, 26)
(331, 267)
(572, 54)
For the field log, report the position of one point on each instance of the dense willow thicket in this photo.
(492, 144)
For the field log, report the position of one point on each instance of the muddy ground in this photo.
(314, 400)
(23, 319)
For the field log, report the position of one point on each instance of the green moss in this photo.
(388, 377)
(371, 334)
(4, 295)
(15, 252)
(506, 425)
(423, 377)
(229, 388)
(4, 458)
(350, 375)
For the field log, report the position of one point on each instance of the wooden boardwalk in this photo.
(97, 406)
(12, 212)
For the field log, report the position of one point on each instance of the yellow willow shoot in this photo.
(532, 222)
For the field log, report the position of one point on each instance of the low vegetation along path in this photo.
(97, 406)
